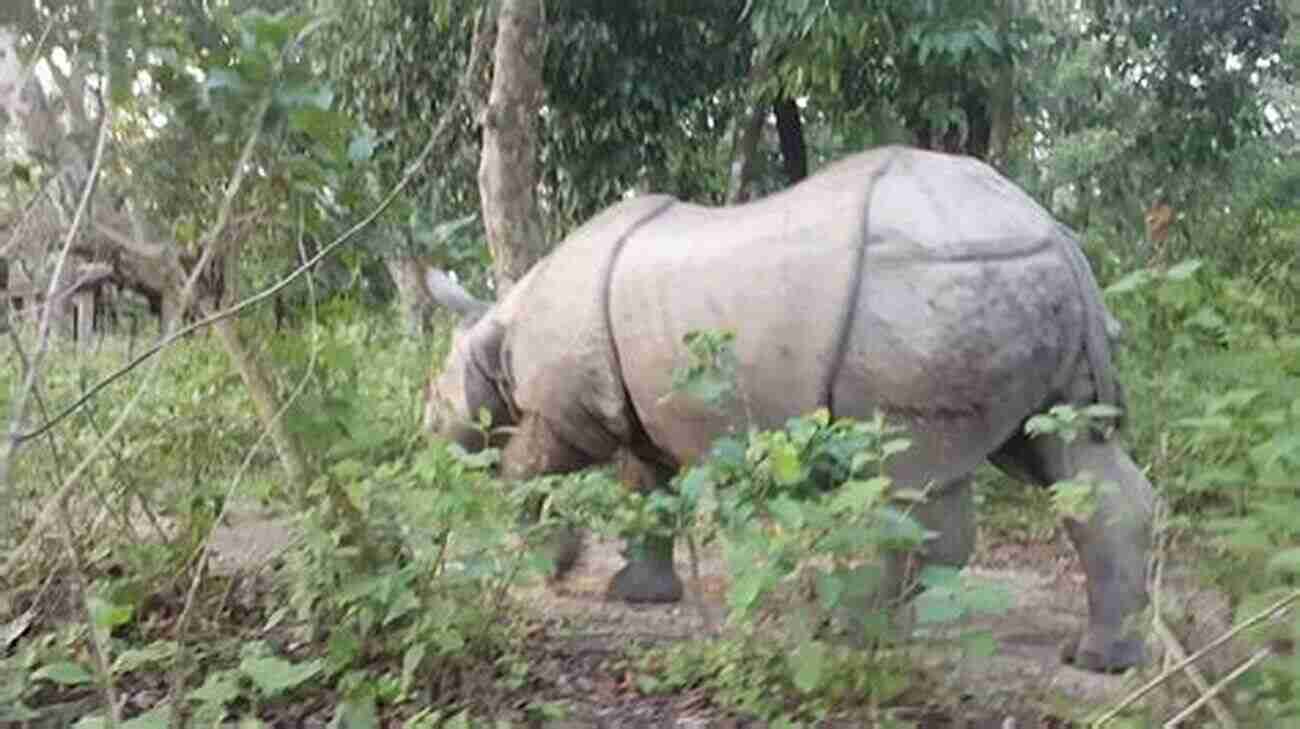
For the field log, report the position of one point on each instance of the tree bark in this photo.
(507, 175)
(1002, 96)
(742, 155)
(413, 297)
(262, 393)
(789, 127)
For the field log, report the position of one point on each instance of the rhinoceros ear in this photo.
(448, 293)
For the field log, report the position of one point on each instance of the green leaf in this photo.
(273, 675)
(411, 661)
(894, 446)
(990, 39)
(313, 95)
(1287, 561)
(859, 495)
(937, 606)
(745, 589)
(830, 589)
(325, 126)
(223, 78)
(219, 688)
(1130, 282)
(786, 466)
(1183, 270)
(1041, 425)
(913, 496)
(1235, 399)
(809, 661)
(159, 653)
(788, 512)
(64, 673)
(1101, 410)
(358, 712)
(937, 577)
(695, 482)
(1075, 499)
(1216, 423)
(156, 718)
(106, 615)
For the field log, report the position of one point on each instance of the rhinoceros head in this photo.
(471, 375)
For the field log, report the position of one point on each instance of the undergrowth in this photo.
(394, 603)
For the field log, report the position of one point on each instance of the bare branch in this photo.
(1272, 612)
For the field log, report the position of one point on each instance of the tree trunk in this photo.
(262, 393)
(789, 127)
(507, 175)
(742, 155)
(412, 295)
(1002, 97)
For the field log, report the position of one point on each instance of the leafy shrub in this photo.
(806, 509)
(1217, 374)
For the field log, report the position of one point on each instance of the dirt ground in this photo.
(1023, 685)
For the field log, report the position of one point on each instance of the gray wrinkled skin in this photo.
(920, 284)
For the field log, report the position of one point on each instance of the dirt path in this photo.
(1024, 681)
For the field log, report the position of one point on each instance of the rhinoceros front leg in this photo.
(536, 450)
(1113, 544)
(948, 512)
(648, 576)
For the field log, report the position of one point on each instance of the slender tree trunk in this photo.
(789, 127)
(1002, 97)
(4, 295)
(507, 175)
(413, 297)
(749, 131)
(262, 393)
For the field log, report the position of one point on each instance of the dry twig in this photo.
(1271, 612)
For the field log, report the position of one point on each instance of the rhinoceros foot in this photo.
(1094, 651)
(648, 575)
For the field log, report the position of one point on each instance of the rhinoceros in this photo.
(921, 285)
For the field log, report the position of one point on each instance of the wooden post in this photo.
(83, 303)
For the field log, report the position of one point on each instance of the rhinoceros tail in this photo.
(1097, 325)
(845, 324)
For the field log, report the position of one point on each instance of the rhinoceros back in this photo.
(921, 284)
(558, 352)
(777, 272)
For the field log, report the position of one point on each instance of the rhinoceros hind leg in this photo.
(1113, 544)
(648, 575)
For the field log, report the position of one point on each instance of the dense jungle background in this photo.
(217, 507)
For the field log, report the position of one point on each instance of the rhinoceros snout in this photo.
(442, 421)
